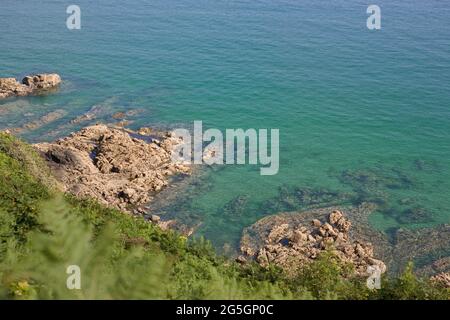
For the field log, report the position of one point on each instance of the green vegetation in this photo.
(42, 232)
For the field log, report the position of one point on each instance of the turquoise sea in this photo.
(363, 115)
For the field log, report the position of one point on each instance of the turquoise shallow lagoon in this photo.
(363, 115)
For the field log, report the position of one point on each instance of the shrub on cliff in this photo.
(112, 266)
(329, 278)
(43, 231)
(408, 286)
(120, 256)
(20, 194)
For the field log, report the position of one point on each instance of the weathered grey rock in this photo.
(316, 223)
(111, 166)
(442, 279)
(292, 246)
(30, 84)
(395, 251)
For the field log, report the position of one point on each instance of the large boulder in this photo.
(42, 81)
(112, 166)
(11, 87)
(442, 279)
(30, 84)
(291, 244)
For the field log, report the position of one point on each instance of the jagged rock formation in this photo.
(427, 247)
(30, 84)
(293, 246)
(112, 166)
(442, 279)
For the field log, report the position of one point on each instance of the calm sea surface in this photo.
(363, 115)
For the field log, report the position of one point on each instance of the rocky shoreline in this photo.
(291, 243)
(32, 84)
(124, 169)
(293, 239)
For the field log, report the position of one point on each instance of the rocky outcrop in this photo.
(40, 122)
(427, 247)
(442, 279)
(112, 166)
(30, 84)
(11, 87)
(292, 246)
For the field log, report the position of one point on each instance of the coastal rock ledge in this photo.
(117, 167)
(291, 247)
(30, 84)
(442, 279)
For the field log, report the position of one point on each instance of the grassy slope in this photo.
(42, 232)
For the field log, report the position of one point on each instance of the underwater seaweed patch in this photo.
(300, 198)
(414, 215)
(236, 207)
(427, 166)
(376, 178)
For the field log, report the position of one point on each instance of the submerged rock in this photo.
(428, 248)
(30, 84)
(301, 198)
(111, 166)
(11, 87)
(155, 218)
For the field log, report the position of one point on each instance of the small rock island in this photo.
(32, 84)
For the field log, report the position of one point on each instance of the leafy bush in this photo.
(409, 287)
(42, 232)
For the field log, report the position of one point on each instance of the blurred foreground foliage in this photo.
(43, 231)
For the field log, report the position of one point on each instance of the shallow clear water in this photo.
(363, 115)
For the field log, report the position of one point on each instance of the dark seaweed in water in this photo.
(432, 256)
(376, 179)
(372, 185)
(375, 185)
(236, 207)
(297, 198)
(391, 234)
(414, 215)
